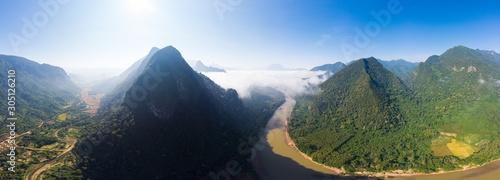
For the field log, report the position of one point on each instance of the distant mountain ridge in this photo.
(329, 67)
(493, 55)
(401, 67)
(107, 85)
(202, 68)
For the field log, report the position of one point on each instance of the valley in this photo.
(47, 147)
(249, 90)
(92, 101)
(37, 172)
(363, 121)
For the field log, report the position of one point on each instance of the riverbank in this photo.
(281, 156)
(290, 143)
(395, 173)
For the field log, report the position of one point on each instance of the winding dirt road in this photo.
(34, 175)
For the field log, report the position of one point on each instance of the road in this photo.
(36, 149)
(37, 171)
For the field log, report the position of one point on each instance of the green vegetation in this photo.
(41, 146)
(366, 118)
(64, 169)
(64, 172)
(42, 92)
(36, 140)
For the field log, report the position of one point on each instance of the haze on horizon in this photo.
(243, 34)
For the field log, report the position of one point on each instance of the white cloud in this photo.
(291, 82)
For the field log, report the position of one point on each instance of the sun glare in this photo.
(140, 6)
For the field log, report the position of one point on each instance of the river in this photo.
(278, 160)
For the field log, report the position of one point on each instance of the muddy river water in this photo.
(278, 160)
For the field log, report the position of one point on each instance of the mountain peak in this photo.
(456, 56)
(171, 51)
(460, 51)
(368, 69)
(203, 68)
(169, 57)
(199, 63)
(368, 63)
(171, 101)
(154, 49)
(362, 97)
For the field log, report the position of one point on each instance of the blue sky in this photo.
(249, 34)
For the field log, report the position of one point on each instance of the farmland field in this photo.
(460, 149)
(445, 146)
(91, 100)
(439, 147)
(62, 117)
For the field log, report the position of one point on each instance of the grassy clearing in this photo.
(62, 117)
(66, 106)
(482, 143)
(73, 133)
(50, 146)
(471, 138)
(460, 149)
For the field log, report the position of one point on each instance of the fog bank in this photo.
(292, 83)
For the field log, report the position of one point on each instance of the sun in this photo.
(140, 6)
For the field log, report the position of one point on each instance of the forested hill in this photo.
(400, 67)
(365, 118)
(42, 91)
(358, 108)
(182, 127)
(365, 88)
(458, 78)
